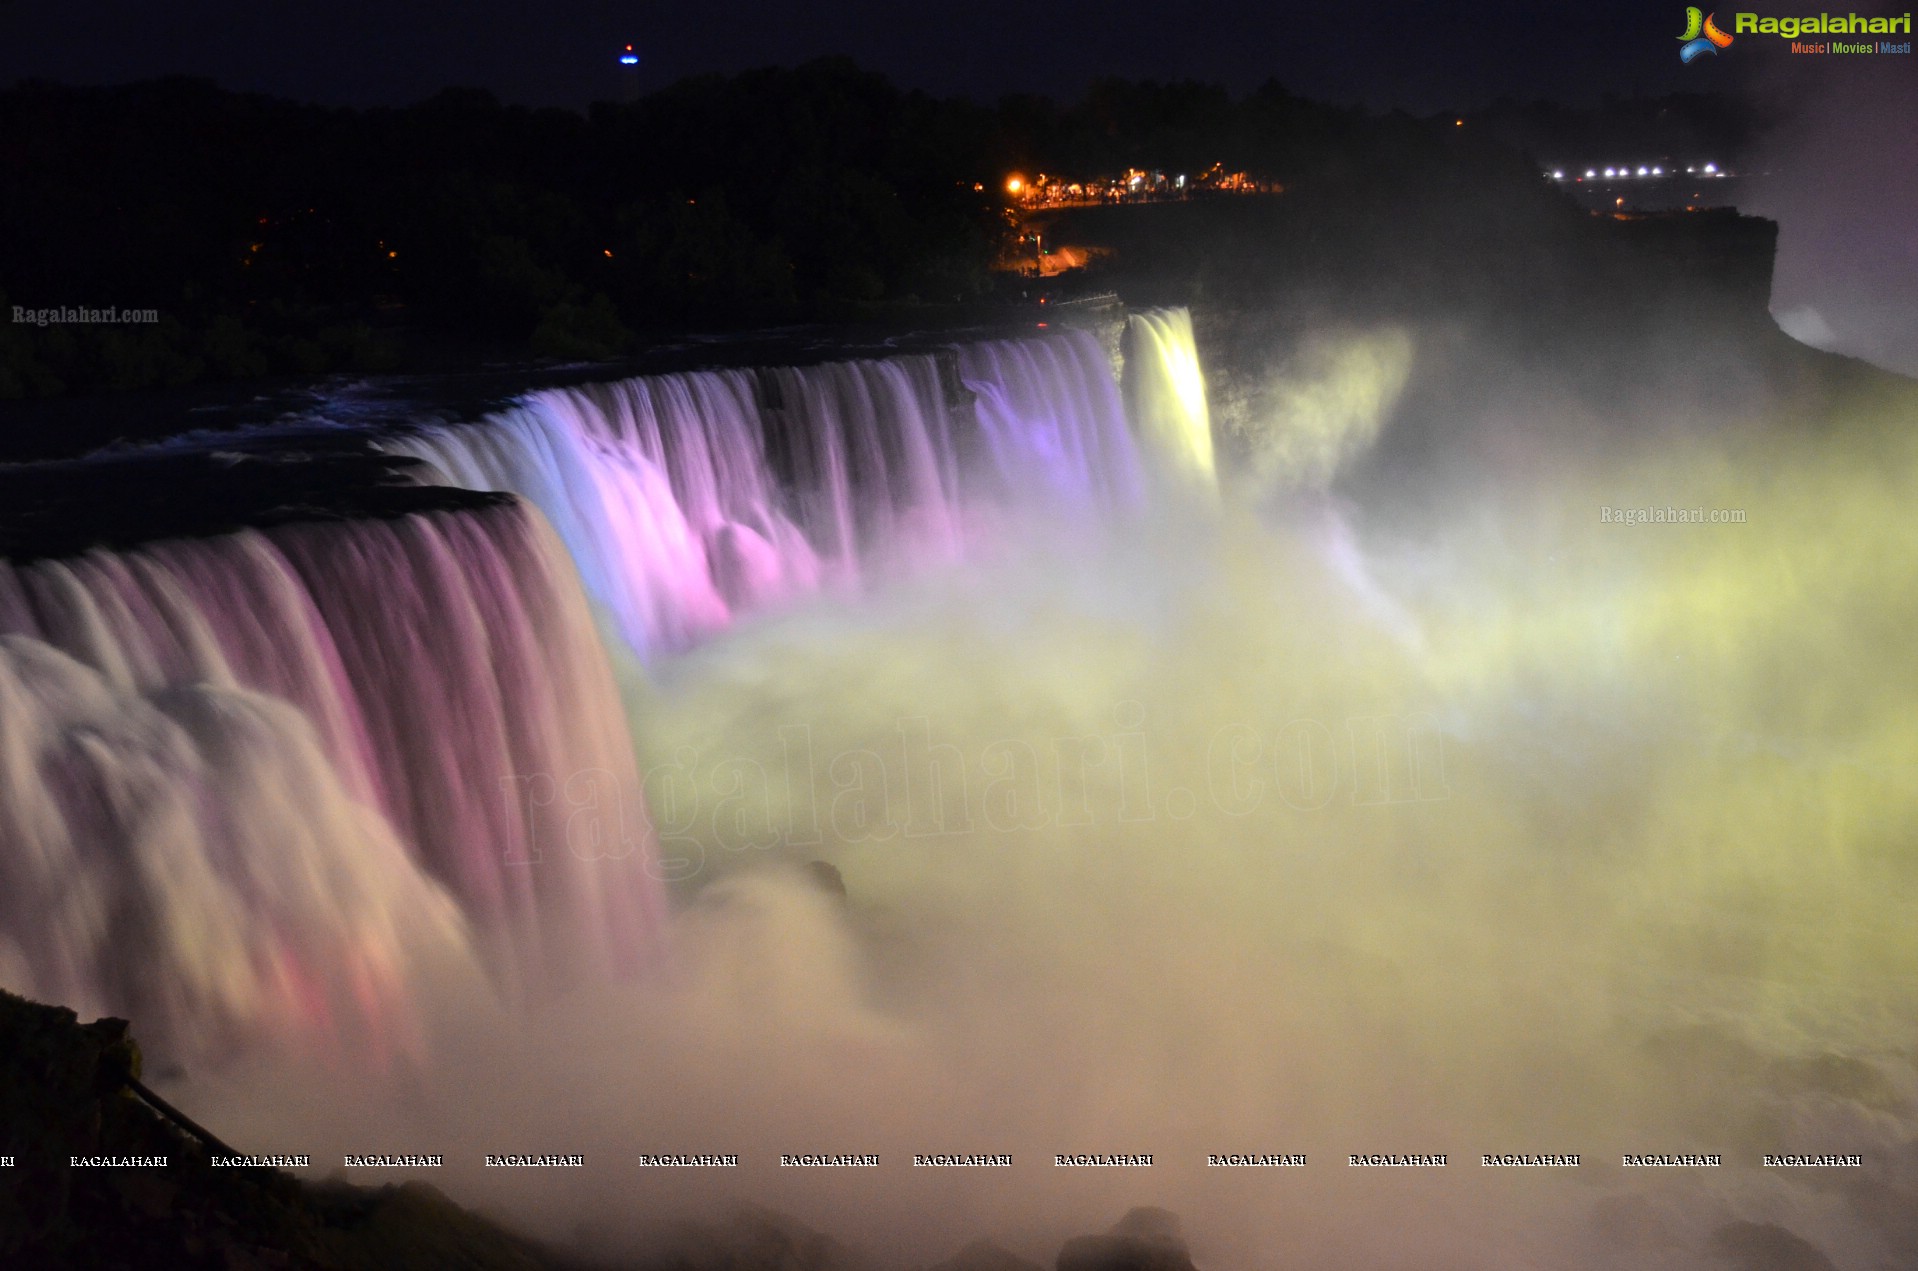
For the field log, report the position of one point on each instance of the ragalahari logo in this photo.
(1701, 36)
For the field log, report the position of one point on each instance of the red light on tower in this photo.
(629, 73)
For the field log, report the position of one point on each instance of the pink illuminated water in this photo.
(688, 500)
(264, 779)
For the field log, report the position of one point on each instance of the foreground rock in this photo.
(1752, 1246)
(749, 1238)
(64, 1092)
(1146, 1239)
(984, 1255)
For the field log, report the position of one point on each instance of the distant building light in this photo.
(1592, 172)
(1658, 172)
(1641, 171)
(1609, 172)
(1711, 169)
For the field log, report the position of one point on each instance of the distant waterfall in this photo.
(254, 780)
(1165, 394)
(690, 499)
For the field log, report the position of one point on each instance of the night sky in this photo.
(560, 52)
(1844, 170)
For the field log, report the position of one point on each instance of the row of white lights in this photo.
(1710, 170)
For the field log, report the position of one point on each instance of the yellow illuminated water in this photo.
(1165, 390)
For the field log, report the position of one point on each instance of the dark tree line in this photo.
(277, 237)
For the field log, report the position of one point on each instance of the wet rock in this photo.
(64, 1093)
(1764, 1246)
(1843, 1076)
(1147, 1222)
(826, 876)
(984, 1255)
(749, 1239)
(1146, 1239)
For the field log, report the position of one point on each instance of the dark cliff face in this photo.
(64, 1093)
(1470, 261)
(1615, 317)
(58, 1098)
(1716, 258)
(1395, 259)
(59, 510)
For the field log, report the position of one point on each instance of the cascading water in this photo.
(1053, 423)
(251, 776)
(690, 499)
(645, 481)
(874, 461)
(188, 854)
(1165, 395)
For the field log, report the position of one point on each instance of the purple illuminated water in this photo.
(689, 500)
(1050, 414)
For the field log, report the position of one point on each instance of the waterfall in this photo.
(645, 480)
(255, 779)
(1165, 395)
(690, 499)
(1052, 420)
